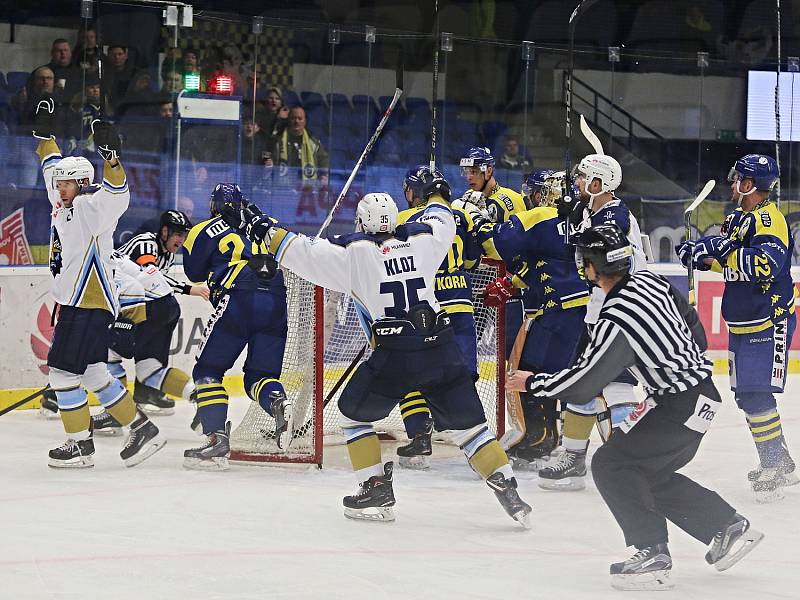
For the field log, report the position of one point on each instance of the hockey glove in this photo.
(498, 292)
(436, 185)
(106, 139)
(44, 120)
(570, 208)
(684, 252)
(122, 337)
(716, 247)
(478, 216)
(237, 214)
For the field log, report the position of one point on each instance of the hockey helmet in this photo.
(762, 169)
(176, 221)
(479, 157)
(553, 188)
(534, 182)
(605, 246)
(75, 168)
(424, 182)
(376, 213)
(602, 167)
(224, 193)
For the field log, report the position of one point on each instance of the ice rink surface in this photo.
(157, 531)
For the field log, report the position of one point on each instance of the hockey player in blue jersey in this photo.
(754, 254)
(249, 298)
(534, 239)
(454, 293)
(533, 187)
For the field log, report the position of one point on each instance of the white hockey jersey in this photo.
(384, 275)
(137, 285)
(81, 236)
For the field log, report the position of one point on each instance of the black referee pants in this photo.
(635, 473)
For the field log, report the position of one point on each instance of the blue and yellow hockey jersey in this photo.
(453, 282)
(226, 259)
(758, 280)
(535, 239)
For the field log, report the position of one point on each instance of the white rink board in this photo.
(158, 532)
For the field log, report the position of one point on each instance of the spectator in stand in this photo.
(83, 109)
(68, 79)
(88, 55)
(40, 83)
(119, 75)
(233, 66)
(272, 116)
(171, 82)
(512, 157)
(139, 101)
(255, 145)
(296, 147)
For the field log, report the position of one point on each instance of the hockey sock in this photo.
(261, 390)
(415, 412)
(486, 455)
(74, 410)
(176, 383)
(212, 406)
(577, 429)
(364, 449)
(117, 402)
(768, 437)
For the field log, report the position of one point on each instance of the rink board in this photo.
(26, 311)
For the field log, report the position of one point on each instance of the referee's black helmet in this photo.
(606, 247)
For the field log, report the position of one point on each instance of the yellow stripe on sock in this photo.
(259, 386)
(766, 438)
(416, 411)
(412, 403)
(488, 459)
(763, 428)
(762, 418)
(364, 452)
(220, 400)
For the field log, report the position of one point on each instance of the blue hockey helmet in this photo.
(479, 157)
(762, 169)
(224, 193)
(422, 181)
(534, 182)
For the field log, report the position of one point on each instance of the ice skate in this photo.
(284, 418)
(567, 474)
(152, 401)
(532, 455)
(786, 468)
(143, 441)
(768, 487)
(414, 455)
(648, 569)
(211, 456)
(49, 405)
(104, 424)
(374, 499)
(506, 492)
(73, 454)
(731, 544)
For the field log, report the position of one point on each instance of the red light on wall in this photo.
(220, 84)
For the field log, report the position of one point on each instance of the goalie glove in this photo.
(106, 139)
(44, 119)
(499, 292)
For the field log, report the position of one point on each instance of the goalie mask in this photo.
(376, 213)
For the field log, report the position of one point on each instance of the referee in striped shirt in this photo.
(649, 328)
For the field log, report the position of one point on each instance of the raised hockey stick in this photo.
(368, 148)
(24, 401)
(516, 430)
(591, 137)
(435, 91)
(687, 219)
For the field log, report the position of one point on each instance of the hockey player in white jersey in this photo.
(592, 202)
(83, 221)
(389, 271)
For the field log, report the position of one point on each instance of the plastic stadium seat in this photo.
(16, 80)
(363, 105)
(311, 98)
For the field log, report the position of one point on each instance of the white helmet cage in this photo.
(602, 167)
(552, 189)
(376, 213)
(73, 168)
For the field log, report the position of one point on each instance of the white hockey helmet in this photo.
(602, 167)
(376, 213)
(73, 168)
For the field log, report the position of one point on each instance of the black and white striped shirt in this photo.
(642, 327)
(144, 249)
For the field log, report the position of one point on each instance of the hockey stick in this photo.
(24, 401)
(687, 219)
(778, 102)
(397, 93)
(435, 91)
(591, 137)
(516, 431)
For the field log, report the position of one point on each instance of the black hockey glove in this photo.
(122, 337)
(44, 119)
(238, 214)
(570, 208)
(437, 185)
(106, 139)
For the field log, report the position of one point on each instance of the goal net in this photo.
(325, 344)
